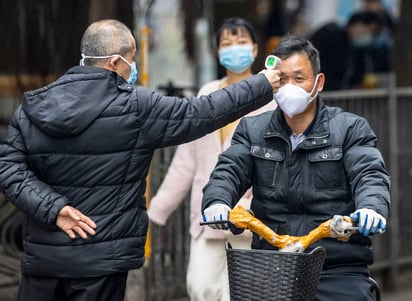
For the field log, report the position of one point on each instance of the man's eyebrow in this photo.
(295, 72)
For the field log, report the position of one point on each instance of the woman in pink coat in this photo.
(207, 278)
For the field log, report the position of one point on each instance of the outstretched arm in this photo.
(171, 120)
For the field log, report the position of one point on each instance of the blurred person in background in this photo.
(207, 278)
(354, 55)
(378, 7)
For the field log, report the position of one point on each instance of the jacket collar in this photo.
(121, 82)
(317, 136)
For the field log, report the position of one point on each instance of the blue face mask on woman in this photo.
(133, 70)
(236, 58)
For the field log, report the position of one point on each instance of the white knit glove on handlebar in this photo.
(217, 213)
(369, 221)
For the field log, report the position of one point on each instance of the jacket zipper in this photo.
(275, 175)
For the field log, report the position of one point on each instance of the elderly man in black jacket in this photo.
(307, 162)
(76, 158)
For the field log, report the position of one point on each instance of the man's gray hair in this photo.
(104, 38)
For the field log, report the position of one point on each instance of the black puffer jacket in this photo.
(87, 140)
(335, 171)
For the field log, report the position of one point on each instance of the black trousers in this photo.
(344, 284)
(106, 288)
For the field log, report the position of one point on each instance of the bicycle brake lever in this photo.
(354, 228)
(215, 223)
(350, 229)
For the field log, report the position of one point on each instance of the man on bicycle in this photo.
(307, 162)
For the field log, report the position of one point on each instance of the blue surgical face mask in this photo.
(133, 70)
(236, 58)
(363, 40)
(133, 74)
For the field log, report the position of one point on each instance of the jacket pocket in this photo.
(267, 164)
(328, 169)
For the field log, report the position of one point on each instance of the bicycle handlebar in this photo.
(339, 227)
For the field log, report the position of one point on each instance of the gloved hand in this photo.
(217, 212)
(369, 221)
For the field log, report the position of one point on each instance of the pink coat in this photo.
(189, 170)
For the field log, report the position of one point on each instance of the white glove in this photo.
(217, 213)
(369, 221)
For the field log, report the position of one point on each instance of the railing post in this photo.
(390, 278)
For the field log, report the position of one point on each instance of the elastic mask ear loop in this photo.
(313, 89)
(81, 63)
(124, 60)
(97, 57)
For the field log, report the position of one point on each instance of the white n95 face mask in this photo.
(293, 99)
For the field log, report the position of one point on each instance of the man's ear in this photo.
(321, 82)
(113, 62)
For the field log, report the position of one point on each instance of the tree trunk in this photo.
(112, 9)
(402, 58)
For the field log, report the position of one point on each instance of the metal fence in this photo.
(388, 112)
(164, 275)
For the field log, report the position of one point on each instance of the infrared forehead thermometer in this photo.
(272, 62)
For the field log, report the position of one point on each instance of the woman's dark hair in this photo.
(366, 18)
(290, 45)
(234, 25)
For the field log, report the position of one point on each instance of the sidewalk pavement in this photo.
(399, 295)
